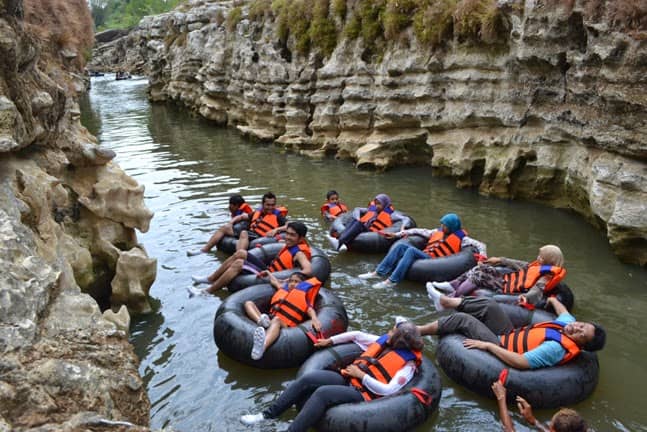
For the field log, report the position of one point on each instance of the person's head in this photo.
(295, 232)
(332, 196)
(382, 201)
(269, 202)
(450, 223)
(405, 335)
(551, 255)
(295, 278)
(589, 336)
(568, 420)
(235, 201)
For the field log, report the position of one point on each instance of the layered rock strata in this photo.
(557, 113)
(72, 269)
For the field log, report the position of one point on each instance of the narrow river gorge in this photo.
(190, 167)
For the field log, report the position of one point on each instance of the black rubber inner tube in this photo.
(551, 387)
(266, 253)
(367, 242)
(233, 330)
(399, 412)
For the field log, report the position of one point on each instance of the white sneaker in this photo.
(250, 419)
(384, 284)
(258, 348)
(343, 248)
(194, 252)
(434, 296)
(444, 287)
(369, 275)
(193, 291)
(200, 279)
(333, 242)
(264, 321)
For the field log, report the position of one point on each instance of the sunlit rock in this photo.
(133, 278)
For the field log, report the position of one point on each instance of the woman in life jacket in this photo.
(379, 214)
(447, 240)
(533, 281)
(291, 305)
(239, 211)
(488, 328)
(333, 207)
(387, 364)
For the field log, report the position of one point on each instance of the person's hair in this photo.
(599, 339)
(268, 195)
(331, 193)
(299, 227)
(302, 276)
(568, 420)
(407, 336)
(552, 255)
(236, 199)
(451, 221)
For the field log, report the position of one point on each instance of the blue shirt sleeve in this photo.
(548, 353)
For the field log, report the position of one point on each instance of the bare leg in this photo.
(273, 332)
(228, 275)
(252, 311)
(429, 329)
(227, 229)
(243, 241)
(238, 255)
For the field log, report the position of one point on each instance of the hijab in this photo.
(451, 221)
(552, 255)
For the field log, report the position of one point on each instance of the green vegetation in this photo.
(316, 24)
(108, 14)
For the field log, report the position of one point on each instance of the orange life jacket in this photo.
(377, 221)
(440, 246)
(291, 306)
(524, 339)
(382, 363)
(285, 258)
(333, 209)
(524, 279)
(261, 223)
(244, 208)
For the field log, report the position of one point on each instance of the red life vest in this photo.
(377, 221)
(524, 279)
(285, 258)
(261, 223)
(333, 209)
(439, 245)
(524, 339)
(382, 363)
(291, 306)
(244, 208)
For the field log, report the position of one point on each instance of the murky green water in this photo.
(190, 168)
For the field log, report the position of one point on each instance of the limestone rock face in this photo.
(557, 113)
(66, 213)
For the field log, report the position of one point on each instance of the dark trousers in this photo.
(477, 318)
(316, 391)
(353, 229)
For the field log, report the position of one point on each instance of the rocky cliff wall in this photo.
(555, 112)
(67, 230)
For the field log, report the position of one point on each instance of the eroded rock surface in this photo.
(67, 220)
(557, 113)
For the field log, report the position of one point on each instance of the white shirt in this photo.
(399, 380)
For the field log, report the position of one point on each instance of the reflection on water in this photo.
(190, 168)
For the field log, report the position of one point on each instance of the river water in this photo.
(190, 167)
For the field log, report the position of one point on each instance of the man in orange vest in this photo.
(488, 328)
(267, 221)
(294, 236)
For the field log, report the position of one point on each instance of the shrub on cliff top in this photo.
(233, 18)
(479, 20)
(433, 22)
(61, 24)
